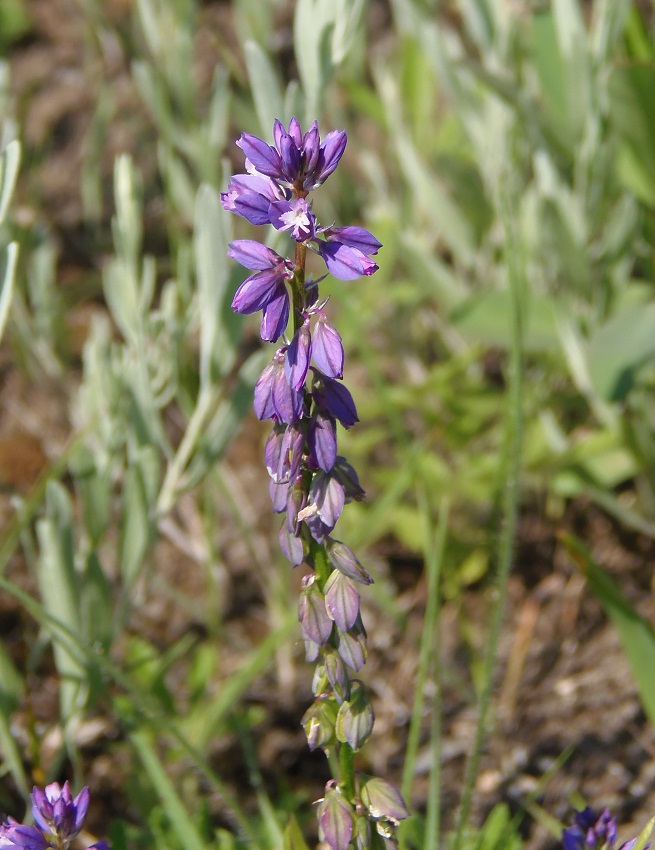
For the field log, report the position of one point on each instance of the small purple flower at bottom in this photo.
(590, 831)
(55, 811)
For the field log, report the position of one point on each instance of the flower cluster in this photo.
(58, 819)
(302, 393)
(593, 831)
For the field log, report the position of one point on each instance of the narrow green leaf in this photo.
(59, 586)
(293, 837)
(217, 325)
(265, 87)
(9, 163)
(181, 821)
(7, 269)
(636, 634)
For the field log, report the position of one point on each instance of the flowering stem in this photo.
(298, 286)
(321, 564)
(347, 770)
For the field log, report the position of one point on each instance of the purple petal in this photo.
(296, 364)
(257, 291)
(254, 208)
(253, 255)
(264, 392)
(27, 838)
(354, 237)
(330, 153)
(345, 262)
(294, 216)
(322, 441)
(327, 349)
(335, 820)
(275, 316)
(264, 158)
(310, 148)
(295, 131)
(312, 614)
(81, 805)
(327, 495)
(344, 560)
(341, 600)
(337, 400)
(287, 402)
(278, 494)
(290, 156)
(351, 649)
(291, 546)
(383, 800)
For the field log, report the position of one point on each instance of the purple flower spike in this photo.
(298, 356)
(56, 812)
(327, 349)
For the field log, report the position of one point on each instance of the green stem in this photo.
(322, 566)
(347, 771)
(298, 286)
(510, 469)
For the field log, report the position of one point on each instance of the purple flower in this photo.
(274, 398)
(590, 831)
(251, 195)
(383, 800)
(334, 398)
(56, 812)
(347, 251)
(327, 348)
(266, 289)
(302, 161)
(298, 356)
(335, 818)
(294, 216)
(341, 600)
(322, 441)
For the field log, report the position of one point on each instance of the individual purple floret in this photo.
(302, 393)
(58, 820)
(593, 831)
(56, 813)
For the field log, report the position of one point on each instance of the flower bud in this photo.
(351, 646)
(341, 600)
(344, 559)
(337, 674)
(355, 718)
(318, 722)
(312, 614)
(383, 800)
(335, 818)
